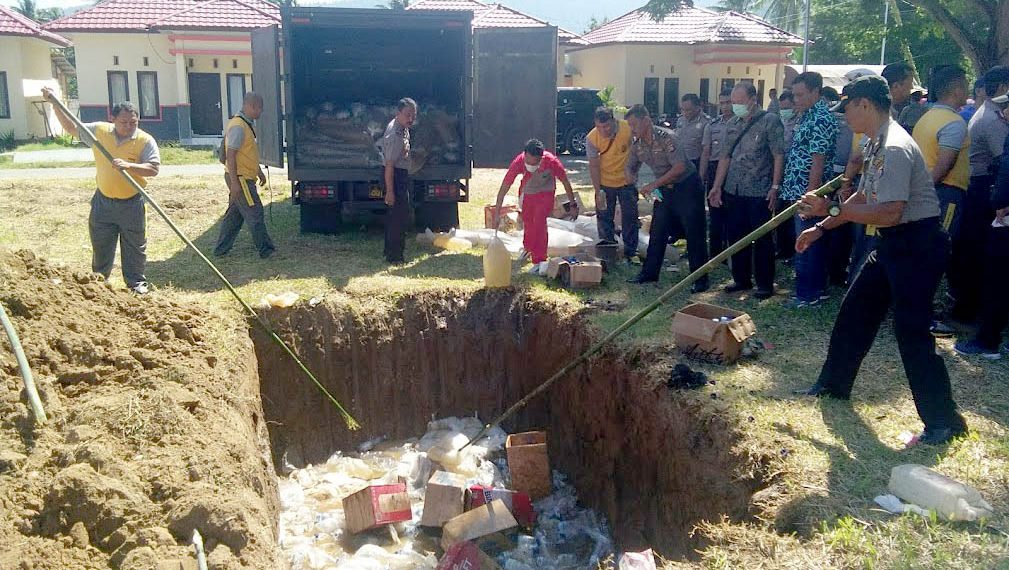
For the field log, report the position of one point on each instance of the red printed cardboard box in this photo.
(377, 505)
(520, 505)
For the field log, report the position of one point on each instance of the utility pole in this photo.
(886, 21)
(805, 41)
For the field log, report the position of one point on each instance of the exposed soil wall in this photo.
(152, 431)
(655, 462)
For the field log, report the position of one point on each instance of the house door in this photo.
(671, 97)
(205, 104)
(652, 96)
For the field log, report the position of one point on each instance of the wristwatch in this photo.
(834, 209)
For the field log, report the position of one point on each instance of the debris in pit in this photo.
(313, 531)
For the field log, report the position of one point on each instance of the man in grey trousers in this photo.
(117, 209)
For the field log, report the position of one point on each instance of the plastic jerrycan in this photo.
(951, 499)
(497, 264)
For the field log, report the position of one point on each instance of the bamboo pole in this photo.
(82, 131)
(26, 372)
(774, 222)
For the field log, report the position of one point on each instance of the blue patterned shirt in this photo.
(815, 133)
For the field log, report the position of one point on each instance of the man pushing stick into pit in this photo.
(117, 209)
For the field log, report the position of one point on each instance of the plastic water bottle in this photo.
(930, 490)
(657, 195)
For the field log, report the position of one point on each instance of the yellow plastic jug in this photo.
(452, 243)
(497, 265)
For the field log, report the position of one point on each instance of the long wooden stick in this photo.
(83, 131)
(714, 262)
(26, 371)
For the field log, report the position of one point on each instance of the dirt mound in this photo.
(153, 430)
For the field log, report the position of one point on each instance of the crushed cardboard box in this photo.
(580, 270)
(519, 503)
(467, 556)
(377, 505)
(509, 217)
(711, 333)
(480, 522)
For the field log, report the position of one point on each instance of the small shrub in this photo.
(65, 139)
(7, 141)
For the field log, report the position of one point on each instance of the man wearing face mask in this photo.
(607, 146)
(750, 171)
(811, 152)
(677, 193)
(711, 149)
(786, 111)
(540, 170)
(897, 196)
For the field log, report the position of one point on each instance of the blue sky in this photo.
(573, 15)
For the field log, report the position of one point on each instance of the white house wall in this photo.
(626, 66)
(172, 55)
(28, 66)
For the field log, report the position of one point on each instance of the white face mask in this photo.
(532, 167)
(786, 114)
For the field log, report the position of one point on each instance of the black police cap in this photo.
(871, 87)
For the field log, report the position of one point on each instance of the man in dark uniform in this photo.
(677, 192)
(898, 197)
(396, 154)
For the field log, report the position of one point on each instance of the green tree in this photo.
(595, 24)
(31, 10)
(980, 28)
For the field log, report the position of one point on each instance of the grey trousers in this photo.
(248, 208)
(124, 221)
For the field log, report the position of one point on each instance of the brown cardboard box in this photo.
(529, 463)
(588, 272)
(698, 336)
(444, 498)
(517, 502)
(560, 211)
(509, 214)
(481, 521)
(377, 505)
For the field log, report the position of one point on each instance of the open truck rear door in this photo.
(266, 76)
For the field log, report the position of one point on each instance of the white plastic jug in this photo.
(930, 490)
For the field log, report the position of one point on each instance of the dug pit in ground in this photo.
(653, 462)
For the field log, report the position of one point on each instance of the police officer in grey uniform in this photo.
(396, 175)
(897, 196)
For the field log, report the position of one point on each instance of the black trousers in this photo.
(839, 249)
(605, 224)
(717, 226)
(745, 214)
(966, 268)
(682, 204)
(784, 235)
(398, 216)
(247, 209)
(904, 271)
(995, 301)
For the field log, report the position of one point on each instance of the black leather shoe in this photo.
(639, 279)
(736, 287)
(764, 293)
(939, 436)
(700, 287)
(819, 390)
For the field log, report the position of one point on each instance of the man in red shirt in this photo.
(540, 170)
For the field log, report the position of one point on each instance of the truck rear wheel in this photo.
(438, 216)
(320, 218)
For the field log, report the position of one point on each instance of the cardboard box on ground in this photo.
(444, 498)
(577, 271)
(377, 505)
(711, 333)
(529, 463)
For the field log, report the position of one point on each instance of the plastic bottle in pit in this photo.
(497, 265)
(930, 490)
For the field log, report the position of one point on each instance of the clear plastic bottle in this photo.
(930, 490)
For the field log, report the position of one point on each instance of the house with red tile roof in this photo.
(498, 16)
(25, 67)
(186, 64)
(692, 50)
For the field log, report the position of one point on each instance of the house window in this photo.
(704, 90)
(727, 84)
(5, 102)
(115, 60)
(119, 87)
(146, 62)
(652, 95)
(236, 92)
(147, 86)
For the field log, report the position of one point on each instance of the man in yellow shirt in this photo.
(242, 164)
(607, 147)
(117, 209)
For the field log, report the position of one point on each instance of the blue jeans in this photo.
(810, 265)
(628, 198)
